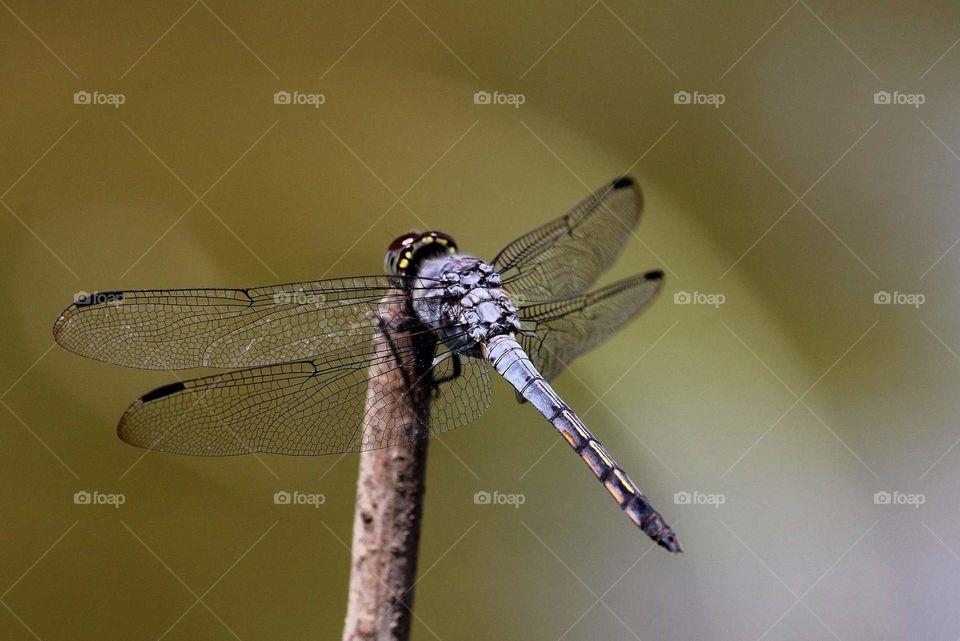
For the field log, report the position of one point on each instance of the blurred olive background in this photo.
(796, 202)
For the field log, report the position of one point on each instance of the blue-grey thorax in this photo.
(460, 298)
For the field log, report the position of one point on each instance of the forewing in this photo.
(557, 332)
(565, 257)
(305, 407)
(224, 328)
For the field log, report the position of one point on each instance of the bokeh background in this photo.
(781, 410)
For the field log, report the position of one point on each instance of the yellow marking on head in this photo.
(442, 241)
(427, 239)
(452, 250)
(403, 263)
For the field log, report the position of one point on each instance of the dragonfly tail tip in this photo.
(670, 542)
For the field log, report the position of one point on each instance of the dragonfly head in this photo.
(408, 251)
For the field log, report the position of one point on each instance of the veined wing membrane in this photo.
(224, 328)
(309, 407)
(566, 256)
(557, 332)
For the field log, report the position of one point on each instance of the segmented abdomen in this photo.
(511, 362)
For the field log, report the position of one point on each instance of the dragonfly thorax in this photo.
(461, 299)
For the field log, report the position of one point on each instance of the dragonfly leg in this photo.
(387, 328)
(457, 370)
(396, 326)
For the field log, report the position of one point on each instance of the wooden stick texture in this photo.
(390, 489)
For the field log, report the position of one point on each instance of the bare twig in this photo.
(390, 488)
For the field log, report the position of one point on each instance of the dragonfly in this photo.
(306, 357)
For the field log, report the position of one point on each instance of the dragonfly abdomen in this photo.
(510, 361)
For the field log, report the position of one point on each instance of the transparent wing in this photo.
(309, 407)
(224, 328)
(566, 256)
(557, 332)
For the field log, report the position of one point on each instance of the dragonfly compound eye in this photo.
(407, 252)
(400, 251)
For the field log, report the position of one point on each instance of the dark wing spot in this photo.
(654, 275)
(623, 182)
(163, 390)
